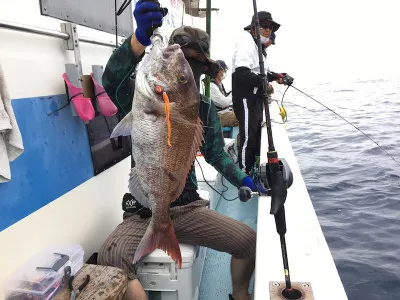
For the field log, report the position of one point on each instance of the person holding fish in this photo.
(169, 121)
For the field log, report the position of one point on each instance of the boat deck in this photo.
(216, 281)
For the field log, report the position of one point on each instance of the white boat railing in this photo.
(52, 33)
(310, 261)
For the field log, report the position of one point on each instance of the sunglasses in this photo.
(266, 26)
(193, 53)
(184, 40)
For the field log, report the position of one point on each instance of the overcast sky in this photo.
(319, 40)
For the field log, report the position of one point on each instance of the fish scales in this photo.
(161, 170)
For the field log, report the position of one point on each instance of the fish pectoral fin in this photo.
(197, 141)
(161, 236)
(156, 108)
(135, 187)
(124, 127)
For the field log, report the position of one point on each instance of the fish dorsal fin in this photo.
(124, 127)
(197, 141)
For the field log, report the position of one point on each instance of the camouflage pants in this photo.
(228, 119)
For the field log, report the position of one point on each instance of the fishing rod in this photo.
(348, 122)
(272, 172)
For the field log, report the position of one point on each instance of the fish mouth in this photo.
(158, 83)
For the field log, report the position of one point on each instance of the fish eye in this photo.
(182, 78)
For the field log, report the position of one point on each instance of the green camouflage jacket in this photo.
(120, 88)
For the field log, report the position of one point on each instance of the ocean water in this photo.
(354, 185)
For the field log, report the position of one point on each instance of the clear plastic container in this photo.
(42, 275)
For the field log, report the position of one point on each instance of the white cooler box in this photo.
(157, 272)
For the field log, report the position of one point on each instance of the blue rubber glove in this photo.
(247, 181)
(148, 16)
(262, 190)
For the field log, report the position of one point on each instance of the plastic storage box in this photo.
(40, 277)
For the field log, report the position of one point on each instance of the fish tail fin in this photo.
(160, 236)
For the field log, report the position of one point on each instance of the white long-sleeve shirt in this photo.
(245, 53)
(220, 100)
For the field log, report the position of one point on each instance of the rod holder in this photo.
(72, 43)
(301, 291)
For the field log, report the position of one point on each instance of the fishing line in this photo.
(208, 113)
(123, 7)
(210, 127)
(183, 11)
(118, 12)
(116, 24)
(283, 97)
(295, 104)
(283, 108)
(219, 199)
(279, 105)
(366, 135)
(303, 107)
(58, 109)
(222, 182)
(119, 86)
(213, 187)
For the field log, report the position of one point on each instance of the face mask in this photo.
(197, 68)
(263, 39)
(212, 70)
(223, 76)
